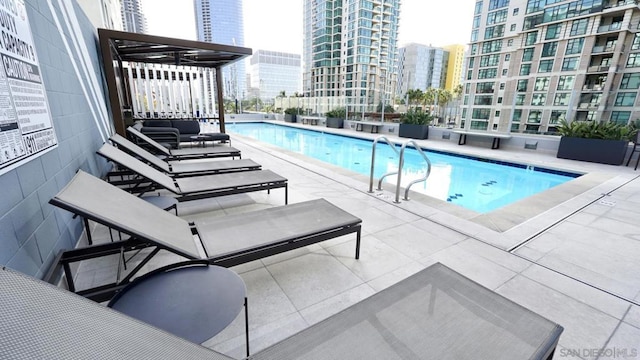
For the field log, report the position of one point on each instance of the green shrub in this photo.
(292, 111)
(416, 117)
(597, 130)
(340, 113)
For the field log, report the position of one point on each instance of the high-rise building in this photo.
(133, 19)
(454, 66)
(350, 55)
(421, 67)
(533, 63)
(273, 72)
(221, 22)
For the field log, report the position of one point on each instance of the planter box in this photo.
(336, 123)
(290, 118)
(414, 131)
(610, 152)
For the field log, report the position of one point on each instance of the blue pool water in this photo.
(475, 184)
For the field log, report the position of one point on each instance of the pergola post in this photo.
(220, 98)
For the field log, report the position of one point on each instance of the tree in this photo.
(387, 109)
(282, 94)
(457, 92)
(415, 96)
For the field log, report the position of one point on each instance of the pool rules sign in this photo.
(26, 128)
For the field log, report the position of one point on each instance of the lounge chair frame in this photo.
(195, 187)
(177, 235)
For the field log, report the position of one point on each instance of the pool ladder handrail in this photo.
(400, 165)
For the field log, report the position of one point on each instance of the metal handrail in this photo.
(401, 164)
(373, 161)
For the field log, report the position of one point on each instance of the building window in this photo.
(525, 69)
(497, 4)
(527, 54)
(522, 85)
(545, 66)
(478, 9)
(510, 42)
(497, 17)
(491, 46)
(542, 84)
(561, 99)
(482, 114)
(534, 117)
(620, 117)
(553, 31)
(487, 73)
(520, 99)
(630, 81)
(489, 60)
(479, 125)
(636, 42)
(549, 49)
(531, 38)
(483, 100)
(499, 99)
(517, 114)
(504, 72)
(535, 5)
(496, 115)
(538, 99)
(579, 27)
(625, 99)
(565, 82)
(570, 64)
(474, 49)
(515, 11)
(476, 22)
(634, 60)
(557, 116)
(507, 57)
(591, 116)
(501, 86)
(494, 32)
(574, 46)
(485, 88)
(513, 27)
(474, 35)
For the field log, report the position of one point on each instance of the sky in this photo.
(276, 25)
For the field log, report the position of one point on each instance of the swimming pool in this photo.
(476, 184)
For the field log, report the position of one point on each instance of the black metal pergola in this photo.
(118, 47)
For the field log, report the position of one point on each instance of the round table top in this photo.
(195, 302)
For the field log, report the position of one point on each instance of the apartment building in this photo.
(273, 72)
(421, 67)
(350, 55)
(133, 19)
(533, 63)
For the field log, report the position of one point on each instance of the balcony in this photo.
(603, 49)
(598, 69)
(611, 27)
(592, 87)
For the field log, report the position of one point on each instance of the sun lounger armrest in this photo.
(167, 135)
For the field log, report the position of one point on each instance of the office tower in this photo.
(350, 52)
(133, 19)
(273, 72)
(421, 67)
(221, 22)
(455, 66)
(533, 63)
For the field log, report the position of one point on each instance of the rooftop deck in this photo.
(570, 254)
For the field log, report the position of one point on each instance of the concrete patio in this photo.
(570, 254)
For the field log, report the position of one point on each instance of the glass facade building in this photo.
(133, 19)
(221, 22)
(350, 52)
(421, 67)
(273, 72)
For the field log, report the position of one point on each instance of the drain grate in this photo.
(607, 203)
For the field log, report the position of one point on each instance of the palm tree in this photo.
(414, 95)
(282, 94)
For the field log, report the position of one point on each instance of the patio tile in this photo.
(493, 254)
(633, 316)
(624, 344)
(412, 241)
(328, 307)
(376, 258)
(388, 279)
(584, 326)
(312, 278)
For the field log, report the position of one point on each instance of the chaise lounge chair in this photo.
(434, 314)
(194, 187)
(183, 154)
(226, 240)
(184, 168)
